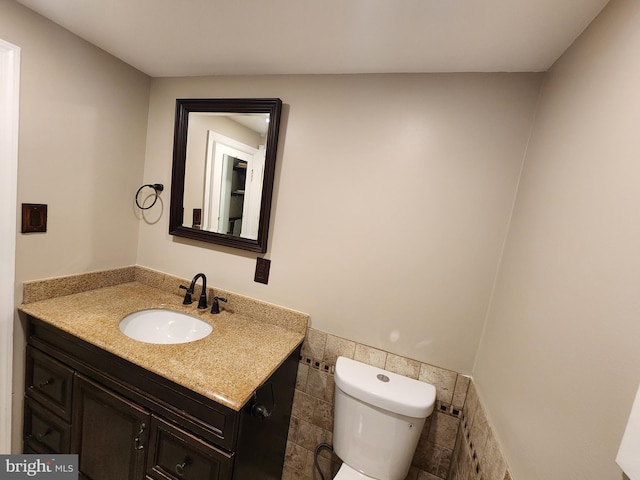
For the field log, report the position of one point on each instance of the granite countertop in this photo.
(226, 366)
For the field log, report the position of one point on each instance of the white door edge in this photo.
(9, 100)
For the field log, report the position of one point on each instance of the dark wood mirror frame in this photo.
(271, 106)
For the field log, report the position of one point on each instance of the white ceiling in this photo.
(225, 37)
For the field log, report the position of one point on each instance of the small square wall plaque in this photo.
(34, 217)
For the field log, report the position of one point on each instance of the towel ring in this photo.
(157, 188)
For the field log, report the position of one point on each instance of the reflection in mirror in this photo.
(224, 162)
(224, 172)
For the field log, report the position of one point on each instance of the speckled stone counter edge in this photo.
(44, 289)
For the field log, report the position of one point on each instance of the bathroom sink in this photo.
(164, 327)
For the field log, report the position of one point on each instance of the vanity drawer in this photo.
(44, 432)
(49, 382)
(175, 454)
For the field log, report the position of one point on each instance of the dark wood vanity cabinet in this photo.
(126, 423)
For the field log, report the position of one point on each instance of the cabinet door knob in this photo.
(40, 436)
(138, 440)
(45, 383)
(181, 466)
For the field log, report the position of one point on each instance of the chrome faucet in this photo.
(202, 302)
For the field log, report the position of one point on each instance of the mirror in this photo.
(224, 157)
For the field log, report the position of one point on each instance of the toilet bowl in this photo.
(378, 419)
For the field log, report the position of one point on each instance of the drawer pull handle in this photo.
(181, 466)
(45, 383)
(138, 441)
(40, 436)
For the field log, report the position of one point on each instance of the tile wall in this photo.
(477, 455)
(312, 416)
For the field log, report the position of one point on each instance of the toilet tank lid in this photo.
(398, 394)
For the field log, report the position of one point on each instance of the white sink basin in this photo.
(164, 326)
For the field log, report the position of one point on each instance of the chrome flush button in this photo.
(382, 377)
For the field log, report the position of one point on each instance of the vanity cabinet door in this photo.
(176, 454)
(110, 433)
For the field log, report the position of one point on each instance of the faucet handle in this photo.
(215, 308)
(187, 296)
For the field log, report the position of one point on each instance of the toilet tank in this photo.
(378, 418)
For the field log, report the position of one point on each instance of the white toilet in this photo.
(378, 419)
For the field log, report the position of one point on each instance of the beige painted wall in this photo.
(83, 121)
(559, 362)
(82, 128)
(391, 203)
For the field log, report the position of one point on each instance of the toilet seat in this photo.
(348, 473)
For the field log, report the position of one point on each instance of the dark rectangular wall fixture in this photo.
(262, 270)
(34, 217)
